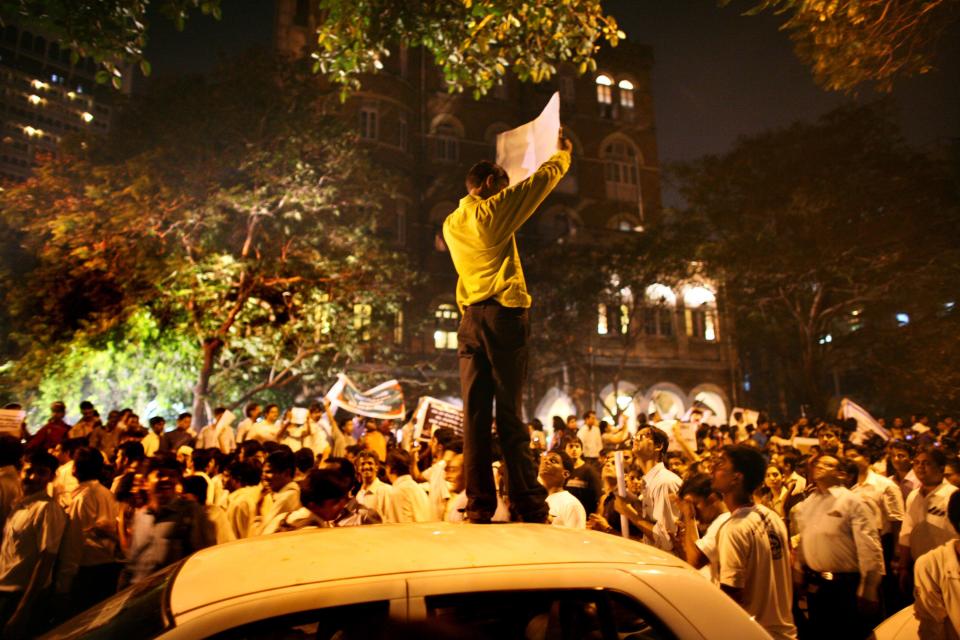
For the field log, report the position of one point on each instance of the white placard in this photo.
(298, 415)
(10, 421)
(522, 150)
(621, 491)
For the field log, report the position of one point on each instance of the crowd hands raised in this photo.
(800, 539)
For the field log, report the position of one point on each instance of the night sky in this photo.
(717, 75)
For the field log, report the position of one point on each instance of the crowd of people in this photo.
(800, 536)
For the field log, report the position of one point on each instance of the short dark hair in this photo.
(304, 459)
(87, 464)
(936, 454)
(399, 462)
(249, 408)
(86, 404)
(247, 473)
(282, 461)
(566, 460)
(953, 510)
(195, 486)
(185, 414)
(10, 451)
(322, 485)
(444, 436)
(661, 441)
(133, 450)
(749, 463)
(482, 170)
(699, 485)
(343, 465)
(251, 448)
(369, 453)
(45, 460)
(201, 459)
(157, 420)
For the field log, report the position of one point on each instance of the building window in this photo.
(362, 315)
(446, 323)
(368, 123)
(700, 314)
(568, 91)
(620, 164)
(626, 94)
(602, 328)
(446, 142)
(398, 327)
(605, 96)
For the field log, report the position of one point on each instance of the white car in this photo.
(440, 580)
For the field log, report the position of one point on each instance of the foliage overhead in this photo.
(849, 43)
(474, 42)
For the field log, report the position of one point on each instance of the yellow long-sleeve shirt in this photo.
(480, 236)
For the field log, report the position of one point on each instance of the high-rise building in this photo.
(43, 97)
(430, 138)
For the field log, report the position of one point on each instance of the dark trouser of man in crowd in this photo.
(493, 363)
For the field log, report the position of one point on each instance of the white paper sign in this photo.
(10, 421)
(522, 150)
(298, 415)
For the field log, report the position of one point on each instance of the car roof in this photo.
(269, 562)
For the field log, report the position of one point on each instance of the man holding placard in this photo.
(492, 295)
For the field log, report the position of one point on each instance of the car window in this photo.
(562, 614)
(364, 621)
(139, 611)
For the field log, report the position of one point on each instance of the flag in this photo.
(866, 423)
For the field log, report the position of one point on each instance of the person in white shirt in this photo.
(242, 479)
(591, 437)
(10, 491)
(658, 518)
(881, 494)
(251, 412)
(411, 501)
(281, 495)
(374, 494)
(64, 482)
(925, 524)
(900, 456)
(219, 433)
(31, 541)
(444, 444)
(89, 567)
(701, 510)
(752, 545)
(267, 429)
(565, 509)
(839, 553)
(936, 578)
(151, 441)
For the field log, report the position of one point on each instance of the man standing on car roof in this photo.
(492, 295)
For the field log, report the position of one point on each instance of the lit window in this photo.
(362, 315)
(903, 319)
(624, 319)
(602, 319)
(368, 123)
(446, 323)
(626, 94)
(826, 339)
(39, 84)
(34, 99)
(568, 91)
(33, 133)
(398, 327)
(604, 80)
(86, 116)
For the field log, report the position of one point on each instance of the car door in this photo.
(595, 601)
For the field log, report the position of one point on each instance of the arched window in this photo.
(445, 135)
(626, 94)
(658, 310)
(446, 323)
(605, 95)
(700, 312)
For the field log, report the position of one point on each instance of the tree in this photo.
(815, 229)
(233, 212)
(474, 42)
(849, 43)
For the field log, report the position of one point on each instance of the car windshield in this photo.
(140, 612)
